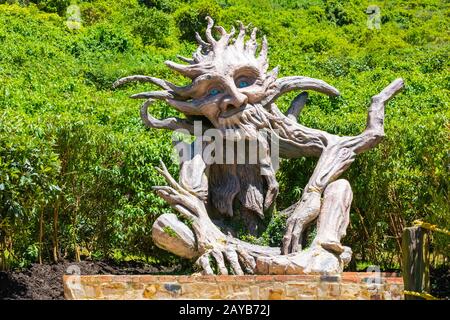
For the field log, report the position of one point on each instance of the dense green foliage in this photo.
(77, 164)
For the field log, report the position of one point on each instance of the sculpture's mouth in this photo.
(231, 112)
(232, 116)
(238, 123)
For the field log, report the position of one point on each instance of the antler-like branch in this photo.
(205, 45)
(209, 36)
(190, 71)
(251, 45)
(374, 131)
(287, 84)
(297, 106)
(262, 59)
(161, 95)
(187, 60)
(159, 82)
(239, 43)
(169, 123)
(185, 107)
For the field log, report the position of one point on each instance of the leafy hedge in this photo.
(77, 165)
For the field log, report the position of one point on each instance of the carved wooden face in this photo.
(230, 86)
(228, 78)
(234, 84)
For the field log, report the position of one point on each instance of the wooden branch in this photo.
(296, 140)
(374, 131)
(297, 106)
(169, 123)
(159, 82)
(193, 171)
(287, 84)
(174, 236)
(336, 157)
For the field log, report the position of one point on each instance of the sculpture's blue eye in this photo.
(214, 92)
(243, 84)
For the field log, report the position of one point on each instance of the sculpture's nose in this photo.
(235, 99)
(238, 99)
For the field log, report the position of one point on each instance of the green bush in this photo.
(163, 5)
(191, 18)
(77, 165)
(52, 6)
(29, 169)
(152, 26)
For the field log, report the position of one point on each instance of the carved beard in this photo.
(246, 124)
(244, 181)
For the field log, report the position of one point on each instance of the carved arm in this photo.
(337, 153)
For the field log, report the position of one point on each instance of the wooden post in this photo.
(416, 261)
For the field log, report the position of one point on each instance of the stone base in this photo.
(349, 285)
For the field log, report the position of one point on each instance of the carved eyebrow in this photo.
(206, 78)
(199, 84)
(247, 69)
(203, 84)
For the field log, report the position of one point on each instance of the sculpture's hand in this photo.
(215, 247)
(226, 254)
(272, 190)
(307, 210)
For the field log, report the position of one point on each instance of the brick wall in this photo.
(349, 285)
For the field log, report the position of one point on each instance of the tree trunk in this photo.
(41, 233)
(55, 232)
(416, 261)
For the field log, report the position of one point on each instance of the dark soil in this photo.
(440, 282)
(44, 281)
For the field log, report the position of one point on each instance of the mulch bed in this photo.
(44, 281)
